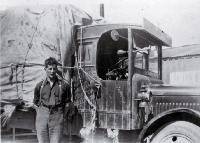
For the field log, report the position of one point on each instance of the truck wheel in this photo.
(177, 132)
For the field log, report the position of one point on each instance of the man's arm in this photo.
(36, 98)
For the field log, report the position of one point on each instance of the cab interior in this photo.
(112, 54)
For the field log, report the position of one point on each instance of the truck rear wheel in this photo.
(177, 132)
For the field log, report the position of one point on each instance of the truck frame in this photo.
(117, 85)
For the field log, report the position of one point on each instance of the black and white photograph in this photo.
(100, 71)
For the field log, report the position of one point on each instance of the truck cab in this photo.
(116, 62)
(117, 82)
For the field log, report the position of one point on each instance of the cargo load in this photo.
(29, 35)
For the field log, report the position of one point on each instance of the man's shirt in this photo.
(58, 93)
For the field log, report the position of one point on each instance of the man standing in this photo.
(50, 98)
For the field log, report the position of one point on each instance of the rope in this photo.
(87, 74)
(81, 46)
(84, 93)
(66, 81)
(79, 68)
(113, 134)
(11, 74)
(86, 131)
(21, 64)
(66, 67)
(30, 45)
(16, 81)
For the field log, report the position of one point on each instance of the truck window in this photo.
(112, 58)
(140, 61)
(146, 63)
(111, 66)
(153, 60)
(86, 53)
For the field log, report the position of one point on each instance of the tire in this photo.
(177, 132)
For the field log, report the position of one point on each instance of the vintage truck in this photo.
(116, 77)
(118, 80)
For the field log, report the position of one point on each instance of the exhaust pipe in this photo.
(102, 10)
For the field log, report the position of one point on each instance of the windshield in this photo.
(146, 63)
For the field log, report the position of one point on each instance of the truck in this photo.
(116, 77)
(117, 84)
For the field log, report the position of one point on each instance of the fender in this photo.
(158, 121)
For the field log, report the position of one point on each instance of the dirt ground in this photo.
(98, 137)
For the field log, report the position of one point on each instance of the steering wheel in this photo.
(120, 61)
(118, 73)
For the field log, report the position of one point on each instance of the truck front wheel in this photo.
(177, 132)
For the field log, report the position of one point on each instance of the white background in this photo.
(178, 18)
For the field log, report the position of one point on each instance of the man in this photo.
(50, 98)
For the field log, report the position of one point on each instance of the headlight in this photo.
(144, 93)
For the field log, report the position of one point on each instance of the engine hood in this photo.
(173, 90)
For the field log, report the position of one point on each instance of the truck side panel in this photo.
(114, 105)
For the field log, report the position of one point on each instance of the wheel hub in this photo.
(176, 138)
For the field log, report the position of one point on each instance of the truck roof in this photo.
(147, 30)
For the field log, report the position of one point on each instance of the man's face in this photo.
(51, 71)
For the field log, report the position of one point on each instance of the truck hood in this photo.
(163, 89)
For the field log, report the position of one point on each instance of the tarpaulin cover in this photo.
(29, 35)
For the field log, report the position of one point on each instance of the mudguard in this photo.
(158, 121)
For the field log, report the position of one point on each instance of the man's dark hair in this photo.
(50, 61)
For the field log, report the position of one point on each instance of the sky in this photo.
(180, 19)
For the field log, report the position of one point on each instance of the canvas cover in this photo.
(29, 35)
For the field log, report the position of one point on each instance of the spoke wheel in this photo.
(177, 132)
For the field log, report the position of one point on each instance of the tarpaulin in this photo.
(29, 35)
